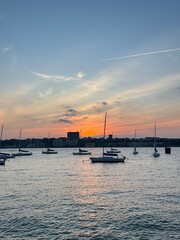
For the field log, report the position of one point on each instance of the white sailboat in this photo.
(107, 158)
(21, 152)
(156, 153)
(3, 154)
(49, 150)
(135, 152)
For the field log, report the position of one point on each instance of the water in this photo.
(67, 197)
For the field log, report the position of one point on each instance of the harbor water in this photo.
(62, 196)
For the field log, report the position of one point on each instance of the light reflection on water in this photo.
(66, 197)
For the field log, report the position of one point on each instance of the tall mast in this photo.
(20, 137)
(155, 134)
(104, 130)
(1, 133)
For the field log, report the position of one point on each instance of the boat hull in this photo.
(20, 154)
(49, 152)
(106, 159)
(81, 153)
(156, 154)
(2, 161)
(135, 152)
(113, 151)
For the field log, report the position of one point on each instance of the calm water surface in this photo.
(67, 197)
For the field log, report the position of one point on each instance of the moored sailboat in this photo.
(156, 153)
(107, 157)
(49, 150)
(2, 159)
(7, 155)
(21, 152)
(135, 152)
(82, 152)
(113, 150)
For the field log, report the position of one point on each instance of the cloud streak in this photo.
(59, 78)
(64, 121)
(140, 54)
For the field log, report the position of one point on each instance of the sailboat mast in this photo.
(1, 133)
(48, 139)
(104, 130)
(20, 137)
(135, 139)
(155, 134)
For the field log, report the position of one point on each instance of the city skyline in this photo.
(63, 64)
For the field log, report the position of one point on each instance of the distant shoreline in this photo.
(89, 142)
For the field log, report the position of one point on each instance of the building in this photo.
(72, 136)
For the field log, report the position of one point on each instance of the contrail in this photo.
(141, 54)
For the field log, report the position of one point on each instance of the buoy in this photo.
(167, 150)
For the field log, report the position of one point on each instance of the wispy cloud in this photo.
(141, 54)
(59, 78)
(80, 75)
(71, 112)
(46, 93)
(6, 49)
(64, 121)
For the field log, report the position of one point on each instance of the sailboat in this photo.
(3, 154)
(82, 152)
(156, 153)
(21, 152)
(107, 158)
(113, 150)
(2, 159)
(49, 151)
(135, 151)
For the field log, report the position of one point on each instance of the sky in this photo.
(64, 63)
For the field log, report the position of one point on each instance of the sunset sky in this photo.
(64, 63)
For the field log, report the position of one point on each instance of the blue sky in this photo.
(52, 77)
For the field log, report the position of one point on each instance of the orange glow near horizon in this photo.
(93, 127)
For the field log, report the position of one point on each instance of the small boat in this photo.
(135, 152)
(49, 151)
(82, 152)
(21, 152)
(2, 159)
(113, 150)
(8, 155)
(107, 157)
(156, 153)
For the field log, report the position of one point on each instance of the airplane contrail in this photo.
(141, 54)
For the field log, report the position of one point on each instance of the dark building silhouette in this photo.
(72, 136)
